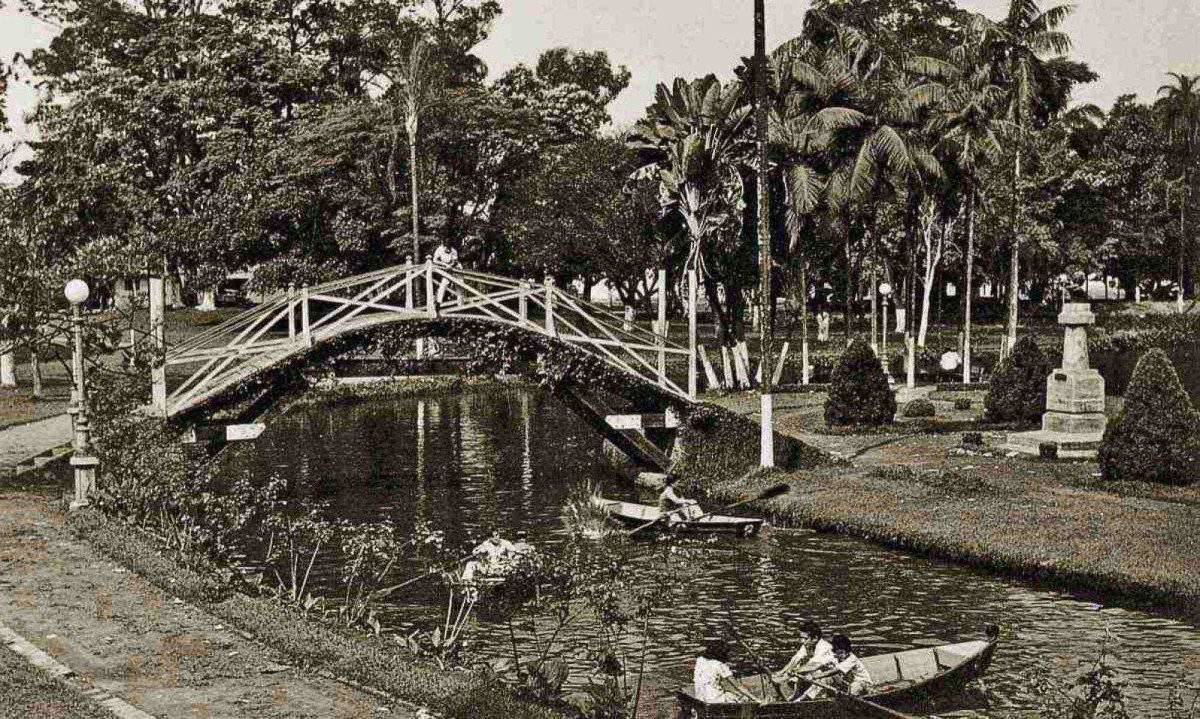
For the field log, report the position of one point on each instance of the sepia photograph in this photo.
(566, 359)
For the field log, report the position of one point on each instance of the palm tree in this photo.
(417, 84)
(1026, 34)
(968, 130)
(694, 141)
(1181, 115)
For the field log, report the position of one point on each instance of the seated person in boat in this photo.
(712, 679)
(674, 507)
(814, 655)
(489, 557)
(849, 675)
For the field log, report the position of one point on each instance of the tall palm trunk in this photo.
(412, 160)
(1014, 283)
(968, 290)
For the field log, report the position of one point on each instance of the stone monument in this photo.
(1074, 420)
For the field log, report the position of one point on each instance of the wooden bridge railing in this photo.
(293, 321)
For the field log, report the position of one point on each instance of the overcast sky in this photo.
(1131, 44)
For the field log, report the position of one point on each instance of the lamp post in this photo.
(885, 289)
(82, 460)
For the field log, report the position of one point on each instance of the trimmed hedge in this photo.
(859, 393)
(373, 661)
(920, 407)
(962, 403)
(1017, 391)
(715, 444)
(1156, 435)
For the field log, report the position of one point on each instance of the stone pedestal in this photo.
(1074, 420)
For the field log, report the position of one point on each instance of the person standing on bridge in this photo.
(447, 257)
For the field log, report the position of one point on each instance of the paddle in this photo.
(758, 662)
(388, 590)
(866, 702)
(768, 493)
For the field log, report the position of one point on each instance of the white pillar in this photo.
(430, 296)
(910, 348)
(692, 293)
(550, 307)
(8, 377)
(523, 301)
(767, 443)
(158, 373)
(804, 376)
(291, 293)
(306, 328)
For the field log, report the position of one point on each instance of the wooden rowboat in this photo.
(903, 680)
(632, 514)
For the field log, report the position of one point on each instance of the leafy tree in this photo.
(1017, 391)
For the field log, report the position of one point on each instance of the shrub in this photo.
(1018, 389)
(962, 403)
(859, 392)
(920, 407)
(1156, 435)
(714, 443)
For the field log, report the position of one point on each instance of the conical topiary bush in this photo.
(1156, 435)
(859, 391)
(1017, 392)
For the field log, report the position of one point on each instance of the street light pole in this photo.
(82, 460)
(767, 438)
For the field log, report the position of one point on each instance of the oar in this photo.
(886, 711)
(388, 590)
(768, 493)
(758, 662)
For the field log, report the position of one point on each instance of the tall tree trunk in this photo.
(849, 285)
(804, 319)
(968, 290)
(1014, 285)
(35, 365)
(416, 223)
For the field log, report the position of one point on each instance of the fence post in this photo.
(307, 329)
(430, 294)
(291, 294)
(409, 302)
(158, 372)
(691, 277)
(661, 328)
(550, 307)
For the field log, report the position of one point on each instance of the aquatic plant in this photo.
(581, 514)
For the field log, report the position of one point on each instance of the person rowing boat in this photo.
(674, 508)
(814, 655)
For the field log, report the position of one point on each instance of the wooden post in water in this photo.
(692, 298)
(304, 316)
(661, 328)
(550, 307)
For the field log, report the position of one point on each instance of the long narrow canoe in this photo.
(632, 514)
(903, 680)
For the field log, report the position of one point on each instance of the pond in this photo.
(508, 458)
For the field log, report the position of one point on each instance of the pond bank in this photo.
(1053, 522)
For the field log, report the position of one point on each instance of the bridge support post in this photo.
(523, 301)
(627, 325)
(550, 330)
(661, 328)
(410, 302)
(305, 327)
(430, 294)
(158, 373)
(291, 312)
(692, 294)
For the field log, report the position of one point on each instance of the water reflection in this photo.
(508, 459)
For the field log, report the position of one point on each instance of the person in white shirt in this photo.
(445, 256)
(712, 679)
(674, 507)
(849, 675)
(814, 655)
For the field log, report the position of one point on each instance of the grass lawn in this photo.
(27, 692)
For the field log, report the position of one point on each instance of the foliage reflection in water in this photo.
(510, 458)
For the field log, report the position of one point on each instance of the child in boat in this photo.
(849, 675)
(814, 655)
(712, 679)
(674, 507)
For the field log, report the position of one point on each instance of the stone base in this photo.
(1070, 446)
(1088, 423)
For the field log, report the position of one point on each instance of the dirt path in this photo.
(121, 634)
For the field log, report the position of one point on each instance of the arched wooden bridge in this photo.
(295, 321)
